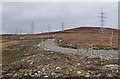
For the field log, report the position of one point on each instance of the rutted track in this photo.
(50, 44)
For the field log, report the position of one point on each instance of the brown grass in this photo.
(83, 36)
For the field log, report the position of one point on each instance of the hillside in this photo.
(90, 30)
(83, 36)
(25, 56)
(87, 36)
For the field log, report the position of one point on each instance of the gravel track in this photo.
(50, 44)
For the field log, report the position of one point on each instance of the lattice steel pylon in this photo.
(102, 22)
(49, 28)
(32, 27)
(62, 26)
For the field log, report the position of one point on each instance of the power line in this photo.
(32, 27)
(49, 28)
(20, 31)
(62, 26)
(41, 31)
(102, 21)
(16, 32)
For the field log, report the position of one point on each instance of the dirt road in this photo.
(103, 54)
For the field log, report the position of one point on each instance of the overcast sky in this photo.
(19, 15)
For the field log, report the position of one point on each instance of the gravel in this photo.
(46, 64)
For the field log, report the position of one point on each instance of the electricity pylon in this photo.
(62, 26)
(32, 27)
(102, 22)
(20, 31)
(49, 28)
(16, 32)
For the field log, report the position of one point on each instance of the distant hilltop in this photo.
(87, 30)
(90, 29)
(80, 29)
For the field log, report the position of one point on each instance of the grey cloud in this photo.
(18, 15)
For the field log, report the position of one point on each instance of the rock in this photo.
(34, 55)
(110, 67)
(38, 75)
(39, 72)
(53, 74)
(109, 75)
(58, 68)
(70, 70)
(38, 61)
(32, 75)
(67, 73)
(43, 69)
(38, 67)
(45, 76)
(30, 70)
(51, 52)
(113, 66)
(15, 75)
(78, 64)
(117, 71)
(96, 61)
(88, 62)
(59, 57)
(35, 74)
(31, 63)
(25, 74)
(56, 76)
(34, 70)
(9, 74)
(48, 65)
(98, 75)
(87, 75)
(78, 72)
(39, 45)
(38, 48)
(82, 74)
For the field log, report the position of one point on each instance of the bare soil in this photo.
(22, 57)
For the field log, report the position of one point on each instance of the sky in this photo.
(18, 16)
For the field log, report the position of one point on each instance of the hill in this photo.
(87, 36)
(82, 36)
